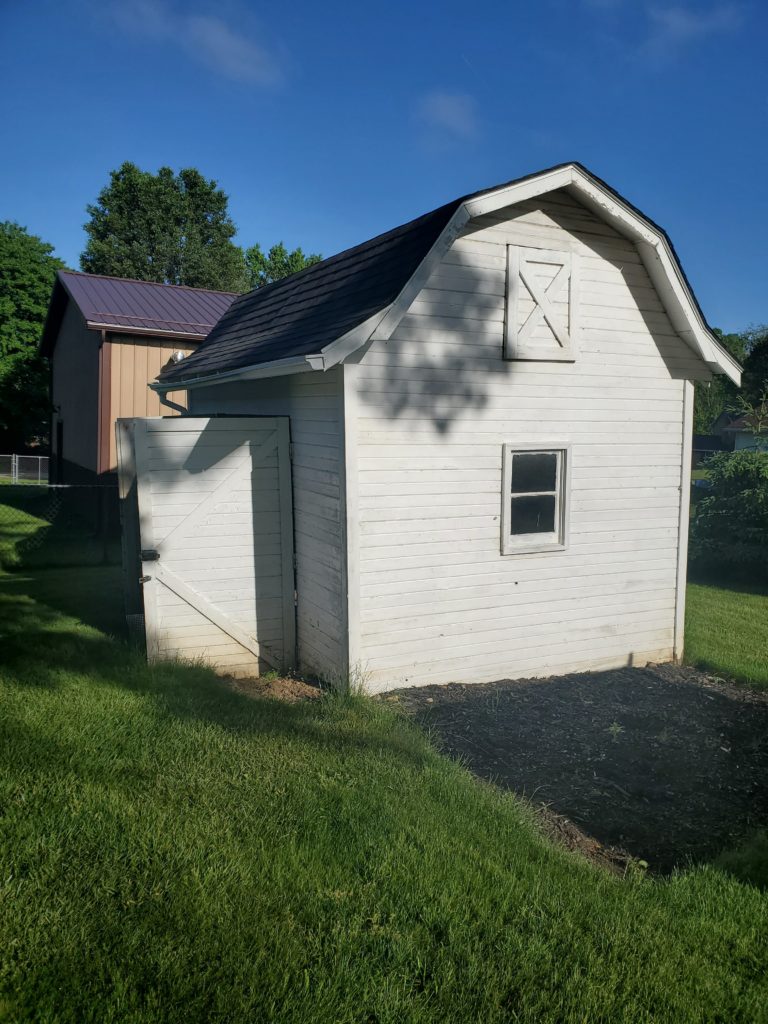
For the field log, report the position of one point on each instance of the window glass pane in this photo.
(534, 471)
(533, 514)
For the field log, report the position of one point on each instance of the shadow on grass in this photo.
(92, 594)
(41, 649)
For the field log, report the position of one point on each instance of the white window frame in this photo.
(516, 345)
(528, 543)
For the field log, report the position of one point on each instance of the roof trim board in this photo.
(143, 331)
(654, 247)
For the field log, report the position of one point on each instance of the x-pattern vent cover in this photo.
(540, 308)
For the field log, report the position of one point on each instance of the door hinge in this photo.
(144, 579)
(295, 599)
(290, 450)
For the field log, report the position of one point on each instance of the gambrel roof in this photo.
(317, 317)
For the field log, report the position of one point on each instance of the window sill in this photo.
(533, 547)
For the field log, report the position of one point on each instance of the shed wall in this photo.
(76, 393)
(430, 410)
(313, 403)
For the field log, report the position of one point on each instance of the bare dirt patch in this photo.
(278, 688)
(663, 764)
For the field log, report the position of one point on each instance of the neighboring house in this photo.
(106, 339)
(705, 446)
(749, 431)
(725, 419)
(490, 419)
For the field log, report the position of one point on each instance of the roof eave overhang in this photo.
(664, 270)
(276, 368)
(145, 332)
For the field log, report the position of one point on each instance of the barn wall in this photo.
(430, 410)
(134, 362)
(75, 394)
(313, 402)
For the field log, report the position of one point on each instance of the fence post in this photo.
(14, 469)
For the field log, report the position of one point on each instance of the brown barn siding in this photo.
(135, 361)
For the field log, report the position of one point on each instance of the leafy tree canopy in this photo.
(27, 271)
(264, 268)
(755, 377)
(164, 227)
(750, 347)
(24, 402)
(712, 397)
(729, 535)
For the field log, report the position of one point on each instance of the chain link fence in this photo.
(16, 469)
(58, 525)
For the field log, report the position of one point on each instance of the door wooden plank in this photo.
(287, 549)
(214, 614)
(147, 534)
(249, 507)
(242, 470)
(129, 520)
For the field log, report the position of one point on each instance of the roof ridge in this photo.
(136, 280)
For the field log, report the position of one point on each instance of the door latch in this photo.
(149, 555)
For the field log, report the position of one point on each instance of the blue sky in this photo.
(328, 123)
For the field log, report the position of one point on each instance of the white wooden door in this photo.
(216, 524)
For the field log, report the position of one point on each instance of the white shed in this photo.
(489, 411)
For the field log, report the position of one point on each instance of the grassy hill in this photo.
(175, 851)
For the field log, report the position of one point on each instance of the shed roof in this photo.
(332, 302)
(140, 307)
(307, 311)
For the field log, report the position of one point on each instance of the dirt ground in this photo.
(663, 764)
(278, 687)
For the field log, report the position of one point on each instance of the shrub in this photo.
(729, 530)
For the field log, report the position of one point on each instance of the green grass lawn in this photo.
(42, 527)
(171, 850)
(726, 632)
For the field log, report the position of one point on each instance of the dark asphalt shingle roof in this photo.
(126, 305)
(301, 314)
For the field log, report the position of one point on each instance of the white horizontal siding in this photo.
(313, 403)
(434, 405)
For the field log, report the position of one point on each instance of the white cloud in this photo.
(451, 116)
(228, 50)
(676, 26)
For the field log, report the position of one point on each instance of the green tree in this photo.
(729, 530)
(164, 227)
(755, 377)
(27, 271)
(712, 397)
(264, 268)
